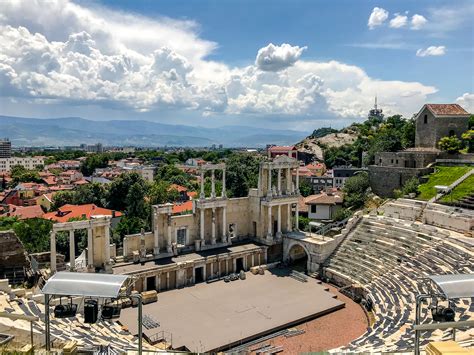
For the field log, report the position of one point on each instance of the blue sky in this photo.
(196, 62)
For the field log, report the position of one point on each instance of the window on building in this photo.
(181, 237)
(313, 208)
(451, 133)
(396, 161)
(425, 119)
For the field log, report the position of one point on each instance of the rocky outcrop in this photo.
(315, 146)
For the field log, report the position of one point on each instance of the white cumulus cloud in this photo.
(62, 53)
(275, 58)
(418, 21)
(431, 51)
(398, 21)
(466, 101)
(377, 17)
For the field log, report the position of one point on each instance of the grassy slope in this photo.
(444, 175)
(464, 189)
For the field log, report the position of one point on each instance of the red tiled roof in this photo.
(177, 187)
(277, 148)
(24, 212)
(183, 207)
(447, 110)
(50, 180)
(324, 199)
(66, 212)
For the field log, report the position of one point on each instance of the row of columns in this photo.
(213, 184)
(290, 187)
(288, 222)
(213, 225)
(72, 248)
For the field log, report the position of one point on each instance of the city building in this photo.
(29, 163)
(342, 173)
(5, 148)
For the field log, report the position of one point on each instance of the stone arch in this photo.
(297, 250)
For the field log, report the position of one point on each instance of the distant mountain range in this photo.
(71, 131)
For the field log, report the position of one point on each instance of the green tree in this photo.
(451, 144)
(33, 232)
(468, 138)
(62, 198)
(241, 174)
(90, 193)
(19, 174)
(355, 190)
(135, 201)
(93, 162)
(303, 223)
(119, 188)
(306, 188)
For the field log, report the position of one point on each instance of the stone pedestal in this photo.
(197, 245)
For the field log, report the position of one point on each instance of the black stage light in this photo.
(91, 310)
(65, 310)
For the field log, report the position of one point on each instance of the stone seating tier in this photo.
(388, 257)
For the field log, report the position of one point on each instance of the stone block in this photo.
(19, 292)
(4, 286)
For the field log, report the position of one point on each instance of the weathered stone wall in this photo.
(425, 136)
(428, 134)
(452, 218)
(13, 257)
(385, 179)
(406, 158)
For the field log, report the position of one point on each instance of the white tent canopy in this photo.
(84, 284)
(455, 285)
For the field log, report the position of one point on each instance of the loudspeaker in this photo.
(91, 311)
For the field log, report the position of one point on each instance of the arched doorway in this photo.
(298, 258)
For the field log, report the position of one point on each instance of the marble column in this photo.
(260, 177)
(298, 180)
(279, 182)
(224, 192)
(288, 181)
(90, 248)
(167, 280)
(288, 219)
(253, 260)
(53, 252)
(169, 236)
(156, 238)
(269, 232)
(213, 231)
(278, 234)
(158, 282)
(269, 188)
(107, 243)
(224, 224)
(213, 184)
(297, 216)
(72, 251)
(202, 195)
(202, 227)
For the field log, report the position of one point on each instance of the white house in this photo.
(324, 206)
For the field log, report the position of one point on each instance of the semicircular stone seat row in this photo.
(388, 258)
